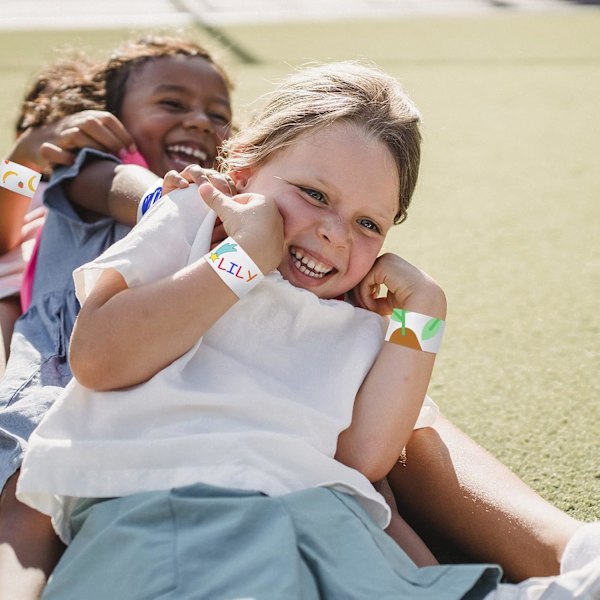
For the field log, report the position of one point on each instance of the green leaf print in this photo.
(431, 328)
(399, 314)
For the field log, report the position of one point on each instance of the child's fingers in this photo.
(54, 155)
(366, 291)
(104, 128)
(363, 297)
(221, 203)
(113, 126)
(218, 233)
(251, 219)
(366, 294)
(382, 306)
(102, 137)
(195, 174)
(214, 198)
(75, 138)
(199, 175)
(222, 182)
(173, 181)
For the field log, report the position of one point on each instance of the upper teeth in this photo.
(309, 266)
(195, 152)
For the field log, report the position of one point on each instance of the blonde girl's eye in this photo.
(315, 195)
(369, 225)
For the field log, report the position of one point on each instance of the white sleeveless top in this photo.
(257, 404)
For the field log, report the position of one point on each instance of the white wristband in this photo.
(19, 179)
(415, 330)
(231, 263)
(150, 197)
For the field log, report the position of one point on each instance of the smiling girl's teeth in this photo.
(188, 151)
(309, 266)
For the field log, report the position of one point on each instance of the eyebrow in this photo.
(169, 87)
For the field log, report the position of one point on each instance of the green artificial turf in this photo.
(506, 213)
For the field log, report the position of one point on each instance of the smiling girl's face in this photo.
(177, 109)
(337, 189)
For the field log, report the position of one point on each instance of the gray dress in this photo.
(37, 368)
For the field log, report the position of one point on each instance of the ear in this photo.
(241, 178)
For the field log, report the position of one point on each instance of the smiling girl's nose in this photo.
(198, 119)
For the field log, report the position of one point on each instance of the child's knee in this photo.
(18, 517)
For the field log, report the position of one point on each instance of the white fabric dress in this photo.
(257, 404)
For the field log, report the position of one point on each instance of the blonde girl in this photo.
(230, 410)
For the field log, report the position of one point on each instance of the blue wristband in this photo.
(151, 196)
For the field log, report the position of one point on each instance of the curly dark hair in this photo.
(62, 89)
(131, 55)
(78, 83)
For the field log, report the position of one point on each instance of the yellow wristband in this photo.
(414, 330)
(19, 179)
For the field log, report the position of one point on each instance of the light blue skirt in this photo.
(202, 542)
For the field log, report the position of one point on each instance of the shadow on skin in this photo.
(29, 548)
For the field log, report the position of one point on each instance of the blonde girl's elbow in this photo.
(374, 469)
(376, 466)
(84, 369)
(368, 458)
(89, 364)
(81, 372)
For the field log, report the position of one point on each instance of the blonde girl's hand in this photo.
(252, 220)
(196, 174)
(97, 129)
(407, 287)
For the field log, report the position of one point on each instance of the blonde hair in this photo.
(316, 97)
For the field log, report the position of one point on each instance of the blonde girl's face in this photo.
(337, 190)
(178, 112)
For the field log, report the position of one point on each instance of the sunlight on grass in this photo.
(506, 214)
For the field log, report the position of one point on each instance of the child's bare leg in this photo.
(10, 310)
(403, 534)
(29, 548)
(454, 490)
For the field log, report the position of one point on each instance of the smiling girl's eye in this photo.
(172, 103)
(220, 118)
(317, 196)
(370, 225)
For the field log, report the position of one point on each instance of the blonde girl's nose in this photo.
(334, 229)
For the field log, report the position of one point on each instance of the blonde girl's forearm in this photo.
(123, 336)
(389, 400)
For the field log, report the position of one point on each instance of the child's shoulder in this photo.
(56, 194)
